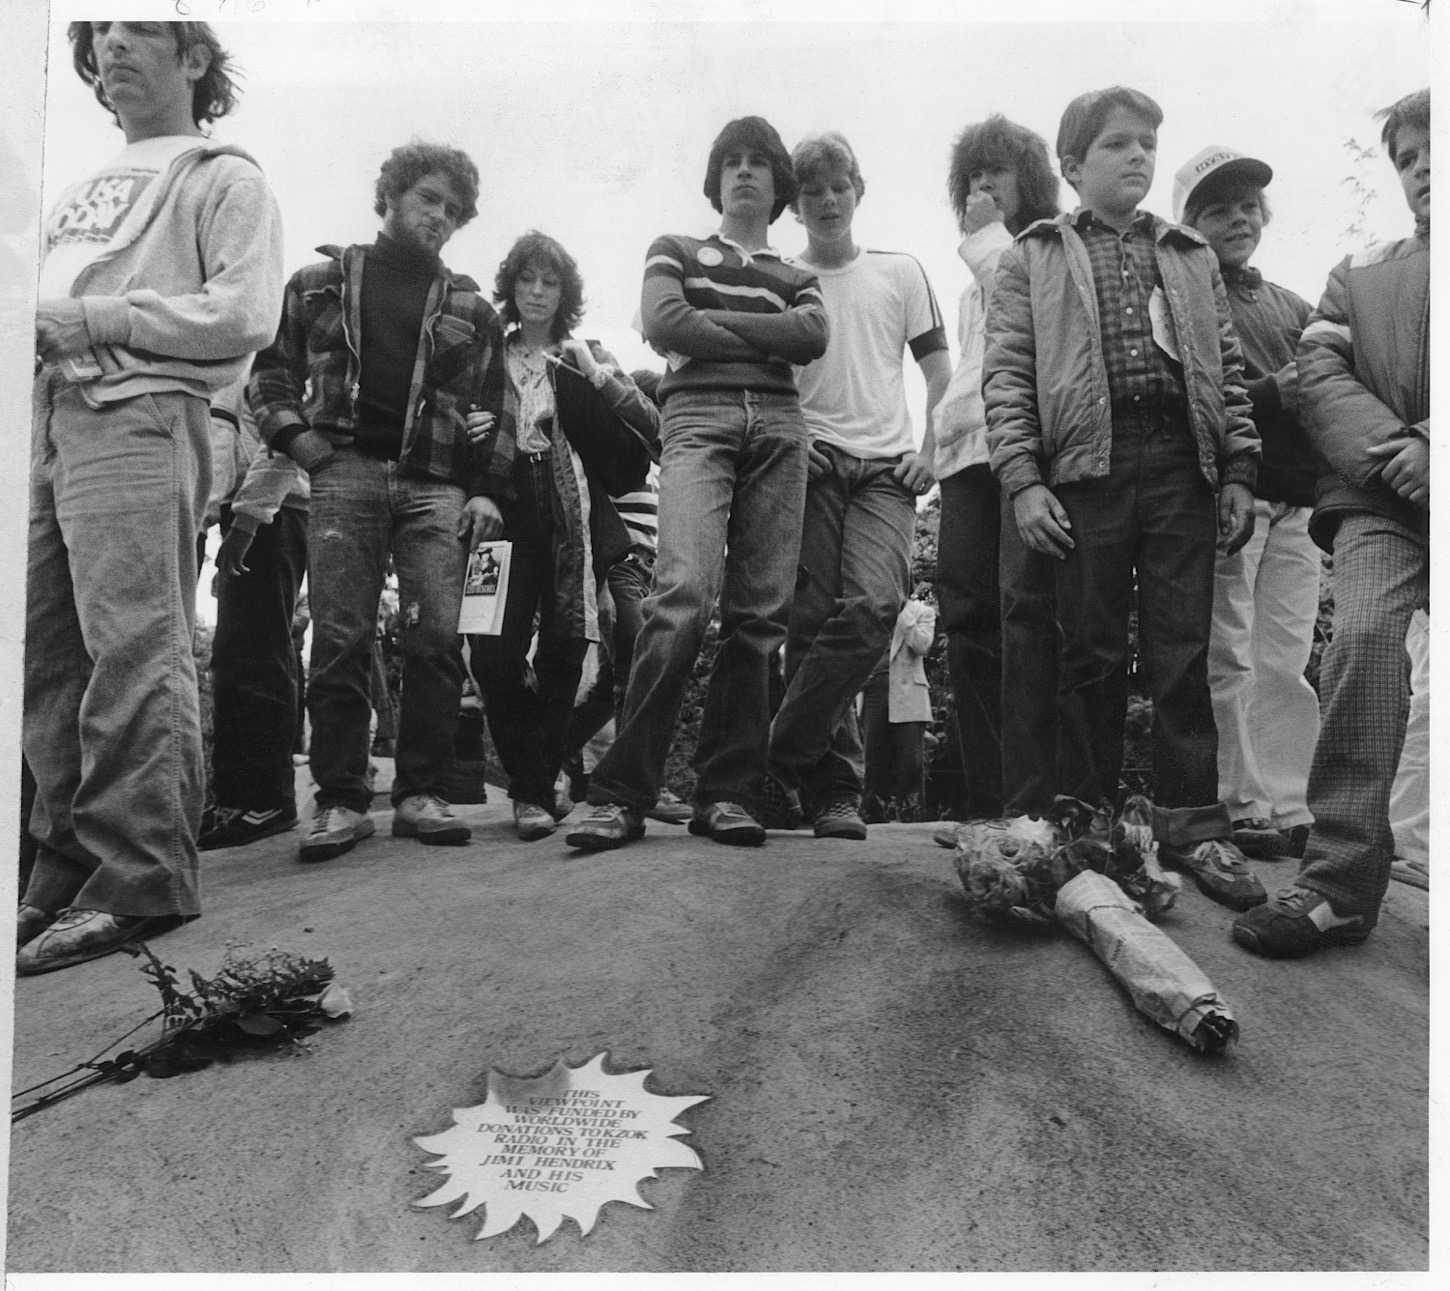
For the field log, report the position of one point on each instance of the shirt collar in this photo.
(1083, 218)
(769, 252)
(1243, 275)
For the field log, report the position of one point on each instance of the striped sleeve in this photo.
(925, 328)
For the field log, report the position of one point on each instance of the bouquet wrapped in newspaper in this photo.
(1099, 877)
(1164, 983)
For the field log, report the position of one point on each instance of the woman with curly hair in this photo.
(565, 530)
(1000, 626)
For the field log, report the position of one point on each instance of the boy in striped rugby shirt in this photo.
(731, 317)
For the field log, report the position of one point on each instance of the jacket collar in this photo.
(1161, 229)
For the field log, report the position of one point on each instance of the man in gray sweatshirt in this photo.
(162, 273)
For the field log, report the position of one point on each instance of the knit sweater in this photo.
(691, 283)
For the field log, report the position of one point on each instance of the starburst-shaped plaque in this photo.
(557, 1146)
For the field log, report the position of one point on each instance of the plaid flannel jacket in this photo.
(309, 375)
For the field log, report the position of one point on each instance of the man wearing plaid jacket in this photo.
(381, 354)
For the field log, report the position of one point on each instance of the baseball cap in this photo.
(1215, 160)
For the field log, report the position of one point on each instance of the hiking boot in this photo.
(1297, 922)
(426, 817)
(79, 935)
(232, 827)
(532, 822)
(840, 819)
(780, 808)
(335, 830)
(610, 824)
(670, 809)
(1219, 869)
(727, 822)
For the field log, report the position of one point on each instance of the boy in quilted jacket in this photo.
(1119, 427)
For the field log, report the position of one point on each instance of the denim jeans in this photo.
(254, 675)
(855, 572)
(362, 509)
(1031, 645)
(967, 591)
(621, 600)
(1154, 515)
(112, 729)
(732, 490)
(528, 722)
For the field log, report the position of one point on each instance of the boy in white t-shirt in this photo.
(865, 476)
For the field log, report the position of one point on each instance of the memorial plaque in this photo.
(557, 1146)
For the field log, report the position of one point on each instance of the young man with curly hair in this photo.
(731, 317)
(996, 595)
(162, 273)
(381, 354)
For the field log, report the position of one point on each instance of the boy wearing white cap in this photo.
(1266, 594)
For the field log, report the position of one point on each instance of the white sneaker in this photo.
(426, 817)
(532, 822)
(335, 830)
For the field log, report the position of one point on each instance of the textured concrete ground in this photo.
(892, 1085)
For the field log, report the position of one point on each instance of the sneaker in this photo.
(232, 827)
(532, 822)
(727, 822)
(840, 819)
(79, 935)
(670, 809)
(946, 835)
(610, 824)
(1219, 869)
(1297, 922)
(780, 808)
(426, 817)
(1254, 836)
(335, 830)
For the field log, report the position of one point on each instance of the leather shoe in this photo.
(79, 935)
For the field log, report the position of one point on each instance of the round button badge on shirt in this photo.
(709, 257)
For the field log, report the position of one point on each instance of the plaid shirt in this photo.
(309, 375)
(1142, 379)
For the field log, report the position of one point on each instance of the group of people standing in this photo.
(1125, 416)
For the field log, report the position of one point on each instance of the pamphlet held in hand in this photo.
(485, 589)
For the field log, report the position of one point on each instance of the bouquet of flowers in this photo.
(269, 1001)
(1015, 868)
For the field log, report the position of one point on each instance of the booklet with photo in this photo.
(485, 589)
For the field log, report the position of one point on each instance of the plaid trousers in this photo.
(1381, 577)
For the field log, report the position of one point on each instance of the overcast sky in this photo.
(597, 131)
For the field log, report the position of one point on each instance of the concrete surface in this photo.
(893, 1086)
